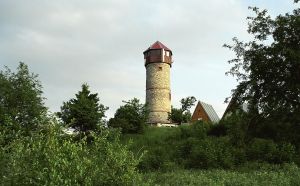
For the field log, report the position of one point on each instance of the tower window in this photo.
(159, 68)
(155, 52)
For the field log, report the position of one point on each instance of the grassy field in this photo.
(286, 175)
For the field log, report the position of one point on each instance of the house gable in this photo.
(205, 112)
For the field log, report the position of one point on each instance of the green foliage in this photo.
(159, 148)
(277, 130)
(236, 126)
(184, 146)
(21, 101)
(268, 68)
(191, 146)
(261, 149)
(268, 151)
(256, 149)
(288, 174)
(218, 130)
(176, 115)
(83, 113)
(197, 130)
(131, 117)
(52, 158)
(158, 158)
(208, 153)
(187, 103)
(183, 115)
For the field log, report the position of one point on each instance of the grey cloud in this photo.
(101, 43)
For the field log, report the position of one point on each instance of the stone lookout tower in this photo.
(158, 61)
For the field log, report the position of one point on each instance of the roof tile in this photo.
(158, 45)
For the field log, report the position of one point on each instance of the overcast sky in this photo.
(101, 42)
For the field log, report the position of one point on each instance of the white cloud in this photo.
(101, 42)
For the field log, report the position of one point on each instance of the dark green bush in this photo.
(208, 153)
(157, 159)
(190, 146)
(239, 155)
(236, 128)
(262, 149)
(268, 151)
(286, 152)
(218, 130)
(167, 148)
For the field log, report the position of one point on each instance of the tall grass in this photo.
(288, 174)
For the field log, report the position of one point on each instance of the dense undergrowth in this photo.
(186, 155)
(50, 157)
(195, 147)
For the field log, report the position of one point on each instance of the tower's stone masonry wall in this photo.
(158, 100)
(158, 94)
(158, 117)
(158, 75)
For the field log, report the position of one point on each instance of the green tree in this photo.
(183, 114)
(21, 101)
(131, 117)
(84, 112)
(268, 70)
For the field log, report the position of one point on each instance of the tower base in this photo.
(164, 125)
(158, 117)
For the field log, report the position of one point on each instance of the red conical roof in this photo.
(158, 45)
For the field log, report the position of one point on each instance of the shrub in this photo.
(218, 130)
(52, 158)
(267, 150)
(157, 159)
(159, 147)
(236, 128)
(285, 153)
(261, 149)
(208, 153)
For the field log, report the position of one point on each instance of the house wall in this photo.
(200, 113)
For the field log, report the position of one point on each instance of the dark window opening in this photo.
(155, 52)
